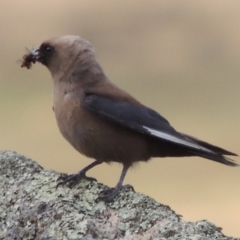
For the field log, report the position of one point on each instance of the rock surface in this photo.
(32, 208)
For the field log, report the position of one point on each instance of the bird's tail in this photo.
(216, 157)
(216, 154)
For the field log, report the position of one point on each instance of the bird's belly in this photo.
(94, 136)
(106, 142)
(101, 140)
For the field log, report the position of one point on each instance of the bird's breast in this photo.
(66, 104)
(93, 136)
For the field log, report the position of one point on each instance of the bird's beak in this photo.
(37, 55)
(35, 52)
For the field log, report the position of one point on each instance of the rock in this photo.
(31, 207)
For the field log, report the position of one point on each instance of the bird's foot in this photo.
(73, 179)
(109, 194)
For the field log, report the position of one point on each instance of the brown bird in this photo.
(104, 122)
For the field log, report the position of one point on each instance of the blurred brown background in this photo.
(181, 58)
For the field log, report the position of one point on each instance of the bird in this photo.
(104, 122)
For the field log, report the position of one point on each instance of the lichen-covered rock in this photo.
(31, 207)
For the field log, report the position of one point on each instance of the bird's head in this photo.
(61, 53)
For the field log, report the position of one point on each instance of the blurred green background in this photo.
(180, 58)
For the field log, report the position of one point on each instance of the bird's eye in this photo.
(49, 49)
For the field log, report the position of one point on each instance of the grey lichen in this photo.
(31, 207)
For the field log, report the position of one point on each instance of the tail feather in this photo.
(216, 155)
(209, 146)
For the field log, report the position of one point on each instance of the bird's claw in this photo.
(72, 179)
(109, 194)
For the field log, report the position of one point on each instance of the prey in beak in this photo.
(29, 58)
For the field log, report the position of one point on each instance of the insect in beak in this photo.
(29, 58)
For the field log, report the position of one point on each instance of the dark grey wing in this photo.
(138, 118)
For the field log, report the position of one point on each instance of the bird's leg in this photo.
(73, 179)
(111, 193)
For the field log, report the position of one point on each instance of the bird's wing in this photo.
(138, 118)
